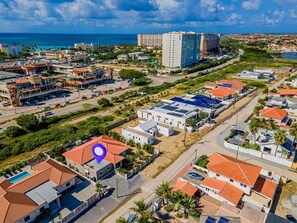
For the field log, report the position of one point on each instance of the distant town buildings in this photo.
(209, 42)
(10, 49)
(152, 40)
(257, 74)
(87, 46)
(65, 55)
(180, 49)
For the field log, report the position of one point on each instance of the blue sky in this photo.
(148, 16)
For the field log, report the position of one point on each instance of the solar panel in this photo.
(199, 101)
(182, 111)
(223, 220)
(175, 114)
(210, 220)
(168, 107)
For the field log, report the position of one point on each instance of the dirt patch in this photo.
(284, 206)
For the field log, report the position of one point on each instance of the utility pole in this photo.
(236, 120)
(185, 136)
(237, 151)
(117, 187)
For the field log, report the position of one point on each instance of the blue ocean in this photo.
(55, 41)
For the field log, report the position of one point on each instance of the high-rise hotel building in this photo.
(209, 42)
(180, 49)
(154, 40)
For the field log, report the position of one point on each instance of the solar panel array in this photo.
(199, 101)
(223, 220)
(210, 219)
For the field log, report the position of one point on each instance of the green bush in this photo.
(169, 207)
(28, 122)
(142, 81)
(131, 74)
(13, 131)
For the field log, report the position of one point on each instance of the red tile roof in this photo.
(221, 92)
(275, 113)
(185, 187)
(225, 189)
(235, 169)
(234, 84)
(77, 69)
(288, 92)
(265, 187)
(83, 153)
(14, 204)
(210, 84)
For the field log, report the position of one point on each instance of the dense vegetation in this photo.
(131, 74)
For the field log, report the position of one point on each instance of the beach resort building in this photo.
(10, 49)
(87, 46)
(151, 40)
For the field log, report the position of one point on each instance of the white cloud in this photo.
(293, 14)
(251, 4)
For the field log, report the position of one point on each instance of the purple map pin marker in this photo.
(99, 152)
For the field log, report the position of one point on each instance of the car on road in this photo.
(291, 218)
(84, 98)
(196, 176)
(46, 108)
(132, 218)
(49, 113)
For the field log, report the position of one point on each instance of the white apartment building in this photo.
(87, 46)
(153, 40)
(180, 49)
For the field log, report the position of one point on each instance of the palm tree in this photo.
(176, 198)
(141, 209)
(130, 159)
(254, 126)
(192, 122)
(293, 130)
(121, 220)
(280, 138)
(188, 203)
(164, 192)
(271, 124)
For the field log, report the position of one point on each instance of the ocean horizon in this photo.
(56, 41)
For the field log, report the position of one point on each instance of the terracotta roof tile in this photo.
(288, 92)
(265, 187)
(225, 189)
(83, 153)
(234, 84)
(185, 187)
(275, 113)
(234, 169)
(221, 92)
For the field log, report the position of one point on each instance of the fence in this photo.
(259, 154)
(121, 122)
(80, 209)
(134, 171)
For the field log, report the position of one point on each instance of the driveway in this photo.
(101, 209)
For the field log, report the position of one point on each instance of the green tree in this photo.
(254, 125)
(130, 159)
(261, 101)
(104, 102)
(189, 204)
(280, 138)
(192, 122)
(176, 198)
(142, 81)
(28, 122)
(293, 130)
(271, 124)
(13, 131)
(131, 74)
(141, 209)
(257, 110)
(164, 192)
(98, 187)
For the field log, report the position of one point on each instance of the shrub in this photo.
(149, 148)
(169, 207)
(142, 81)
(13, 131)
(131, 74)
(104, 102)
(28, 122)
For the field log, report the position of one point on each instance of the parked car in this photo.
(46, 108)
(195, 176)
(84, 98)
(132, 218)
(57, 105)
(49, 113)
(291, 218)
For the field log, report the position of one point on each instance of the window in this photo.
(217, 175)
(231, 180)
(68, 184)
(27, 218)
(41, 209)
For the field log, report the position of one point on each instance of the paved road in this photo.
(10, 113)
(158, 80)
(206, 146)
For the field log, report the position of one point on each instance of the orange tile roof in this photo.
(275, 113)
(185, 187)
(235, 169)
(211, 84)
(83, 153)
(225, 189)
(29, 65)
(221, 92)
(235, 84)
(77, 69)
(288, 92)
(265, 187)
(14, 204)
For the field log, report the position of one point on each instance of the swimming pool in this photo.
(18, 177)
(237, 138)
